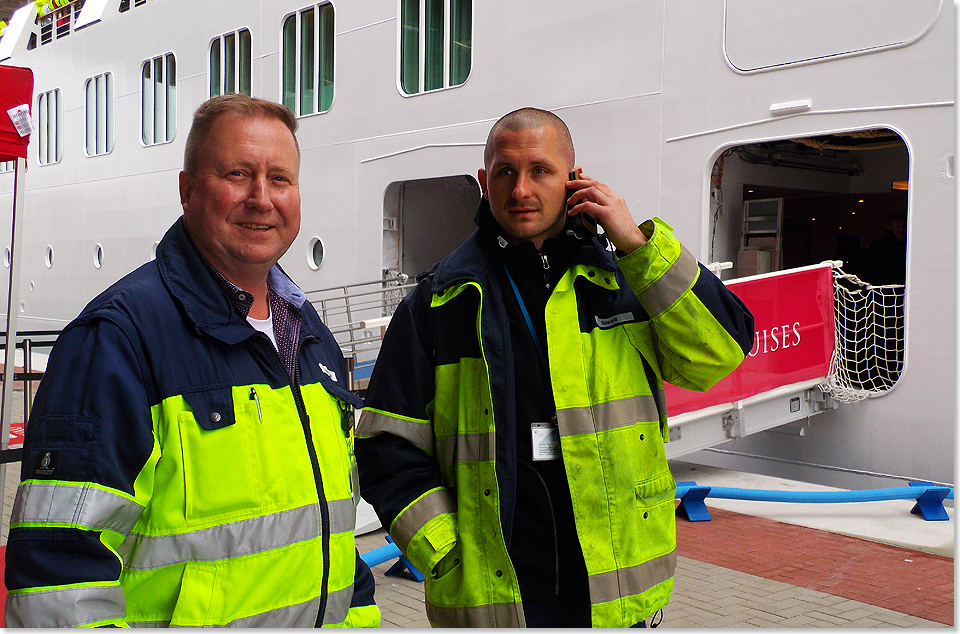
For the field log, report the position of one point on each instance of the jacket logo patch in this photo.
(46, 463)
(328, 372)
(610, 322)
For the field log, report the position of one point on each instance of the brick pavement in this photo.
(741, 571)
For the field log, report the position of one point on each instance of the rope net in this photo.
(868, 354)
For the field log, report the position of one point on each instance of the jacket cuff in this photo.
(661, 270)
(426, 529)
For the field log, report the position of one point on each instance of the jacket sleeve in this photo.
(702, 331)
(399, 475)
(87, 474)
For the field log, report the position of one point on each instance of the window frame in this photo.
(430, 77)
(239, 71)
(321, 68)
(103, 121)
(44, 124)
(167, 62)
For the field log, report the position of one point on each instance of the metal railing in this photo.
(357, 314)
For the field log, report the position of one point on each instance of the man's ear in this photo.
(186, 188)
(482, 178)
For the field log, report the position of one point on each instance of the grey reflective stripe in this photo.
(300, 615)
(496, 615)
(254, 535)
(65, 607)
(343, 515)
(80, 504)
(419, 435)
(606, 416)
(613, 585)
(431, 505)
(338, 604)
(662, 294)
(466, 448)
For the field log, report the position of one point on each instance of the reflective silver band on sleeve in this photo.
(606, 416)
(79, 505)
(65, 607)
(413, 518)
(254, 535)
(662, 294)
(419, 434)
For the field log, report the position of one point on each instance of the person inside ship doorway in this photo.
(512, 438)
(888, 254)
(187, 459)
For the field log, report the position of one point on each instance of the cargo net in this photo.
(868, 355)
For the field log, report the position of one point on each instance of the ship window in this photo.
(6, 166)
(230, 64)
(435, 44)
(98, 256)
(49, 134)
(159, 99)
(100, 123)
(49, 258)
(308, 42)
(315, 253)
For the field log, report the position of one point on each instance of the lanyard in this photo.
(526, 317)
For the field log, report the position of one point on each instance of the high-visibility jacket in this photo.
(436, 465)
(174, 475)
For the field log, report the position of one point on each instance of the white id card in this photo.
(546, 441)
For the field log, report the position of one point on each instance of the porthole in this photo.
(98, 256)
(315, 253)
(33, 286)
(49, 259)
(23, 306)
(6, 257)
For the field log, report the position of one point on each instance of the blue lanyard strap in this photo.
(526, 316)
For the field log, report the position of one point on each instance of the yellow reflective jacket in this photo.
(174, 475)
(428, 445)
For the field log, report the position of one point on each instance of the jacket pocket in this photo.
(656, 514)
(220, 451)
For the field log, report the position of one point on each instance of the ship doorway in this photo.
(424, 220)
(797, 202)
(794, 202)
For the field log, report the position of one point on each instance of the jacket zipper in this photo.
(315, 463)
(546, 267)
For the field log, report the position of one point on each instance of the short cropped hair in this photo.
(530, 119)
(235, 104)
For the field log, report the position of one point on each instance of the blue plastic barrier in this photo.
(383, 554)
(929, 498)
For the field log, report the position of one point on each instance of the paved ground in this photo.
(782, 576)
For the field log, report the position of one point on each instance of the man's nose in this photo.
(521, 187)
(259, 195)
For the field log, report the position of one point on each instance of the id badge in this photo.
(546, 441)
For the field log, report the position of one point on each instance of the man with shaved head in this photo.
(512, 440)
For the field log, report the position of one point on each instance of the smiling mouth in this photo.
(255, 227)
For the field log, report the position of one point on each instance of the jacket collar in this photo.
(489, 242)
(193, 284)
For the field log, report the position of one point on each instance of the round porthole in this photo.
(315, 253)
(49, 259)
(98, 256)
(23, 306)
(6, 257)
